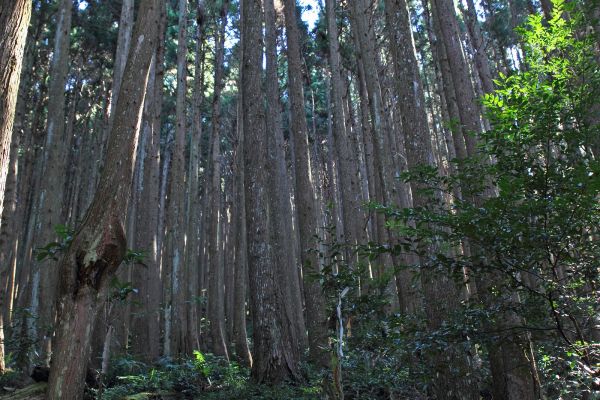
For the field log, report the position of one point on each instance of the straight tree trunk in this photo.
(352, 215)
(145, 318)
(481, 59)
(276, 358)
(193, 212)
(174, 254)
(279, 190)
(240, 335)
(442, 295)
(14, 20)
(469, 109)
(99, 245)
(216, 300)
(50, 198)
(305, 194)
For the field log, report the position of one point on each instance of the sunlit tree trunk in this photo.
(14, 20)
(145, 317)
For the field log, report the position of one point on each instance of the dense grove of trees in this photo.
(389, 199)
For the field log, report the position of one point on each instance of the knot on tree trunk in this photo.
(103, 255)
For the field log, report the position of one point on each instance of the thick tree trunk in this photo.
(114, 324)
(14, 20)
(279, 190)
(276, 358)
(145, 318)
(99, 245)
(305, 194)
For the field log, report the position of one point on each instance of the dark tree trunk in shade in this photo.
(99, 245)
(275, 356)
(305, 193)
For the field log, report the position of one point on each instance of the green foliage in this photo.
(53, 249)
(527, 208)
(203, 376)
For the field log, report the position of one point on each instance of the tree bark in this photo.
(14, 20)
(216, 301)
(276, 358)
(305, 194)
(50, 198)
(145, 318)
(352, 215)
(279, 190)
(99, 245)
(174, 254)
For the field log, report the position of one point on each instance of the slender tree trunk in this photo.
(175, 249)
(276, 358)
(193, 213)
(468, 107)
(99, 245)
(216, 301)
(442, 294)
(240, 335)
(481, 59)
(352, 215)
(50, 198)
(547, 8)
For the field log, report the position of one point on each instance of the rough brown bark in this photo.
(468, 107)
(481, 59)
(145, 318)
(442, 295)
(279, 190)
(99, 245)
(14, 20)
(305, 193)
(240, 336)
(173, 258)
(275, 358)
(352, 215)
(51, 192)
(216, 301)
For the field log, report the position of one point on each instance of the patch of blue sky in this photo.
(310, 15)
